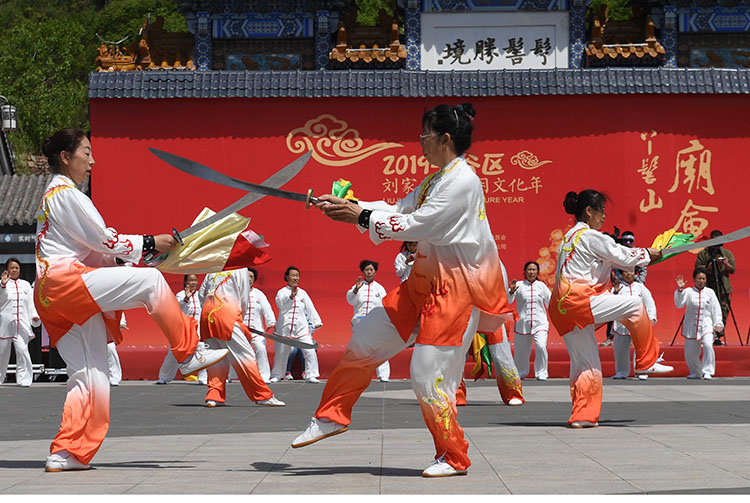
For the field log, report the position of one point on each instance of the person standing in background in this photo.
(17, 316)
(296, 315)
(719, 264)
(364, 296)
(532, 299)
(190, 304)
(702, 319)
(405, 259)
(259, 316)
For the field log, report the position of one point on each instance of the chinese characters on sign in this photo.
(692, 175)
(486, 51)
(403, 174)
(471, 41)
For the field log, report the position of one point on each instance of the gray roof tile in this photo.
(387, 83)
(20, 196)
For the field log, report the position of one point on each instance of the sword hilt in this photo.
(310, 200)
(177, 236)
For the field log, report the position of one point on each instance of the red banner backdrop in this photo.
(667, 161)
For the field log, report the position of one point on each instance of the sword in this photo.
(726, 238)
(285, 340)
(276, 180)
(204, 172)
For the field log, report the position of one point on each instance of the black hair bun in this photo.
(570, 203)
(46, 146)
(468, 109)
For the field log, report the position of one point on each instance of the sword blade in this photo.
(204, 172)
(244, 201)
(726, 238)
(285, 340)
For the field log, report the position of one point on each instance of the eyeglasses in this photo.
(423, 137)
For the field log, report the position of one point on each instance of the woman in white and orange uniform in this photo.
(225, 296)
(581, 301)
(405, 259)
(455, 289)
(297, 315)
(79, 297)
(17, 316)
(631, 288)
(259, 316)
(702, 318)
(190, 304)
(365, 295)
(532, 298)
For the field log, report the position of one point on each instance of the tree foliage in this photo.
(48, 48)
(367, 11)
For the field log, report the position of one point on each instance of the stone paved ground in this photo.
(662, 436)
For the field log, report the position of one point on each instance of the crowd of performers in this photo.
(454, 291)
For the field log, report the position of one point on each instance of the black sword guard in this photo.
(177, 236)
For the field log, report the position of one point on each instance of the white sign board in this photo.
(494, 40)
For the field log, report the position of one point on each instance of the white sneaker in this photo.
(63, 461)
(693, 376)
(385, 380)
(201, 359)
(583, 424)
(619, 376)
(318, 430)
(656, 368)
(541, 378)
(512, 401)
(213, 403)
(312, 379)
(273, 379)
(161, 381)
(643, 377)
(271, 402)
(439, 468)
(288, 377)
(706, 376)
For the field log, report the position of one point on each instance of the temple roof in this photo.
(415, 84)
(19, 198)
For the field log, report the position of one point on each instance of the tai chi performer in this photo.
(17, 316)
(702, 319)
(190, 304)
(366, 295)
(259, 316)
(581, 300)
(78, 298)
(405, 259)
(297, 319)
(454, 289)
(629, 287)
(225, 303)
(532, 298)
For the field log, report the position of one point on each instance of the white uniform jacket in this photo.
(456, 264)
(191, 306)
(70, 226)
(532, 300)
(702, 311)
(403, 269)
(17, 311)
(259, 314)
(369, 296)
(294, 313)
(636, 289)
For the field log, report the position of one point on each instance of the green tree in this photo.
(48, 48)
(367, 11)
